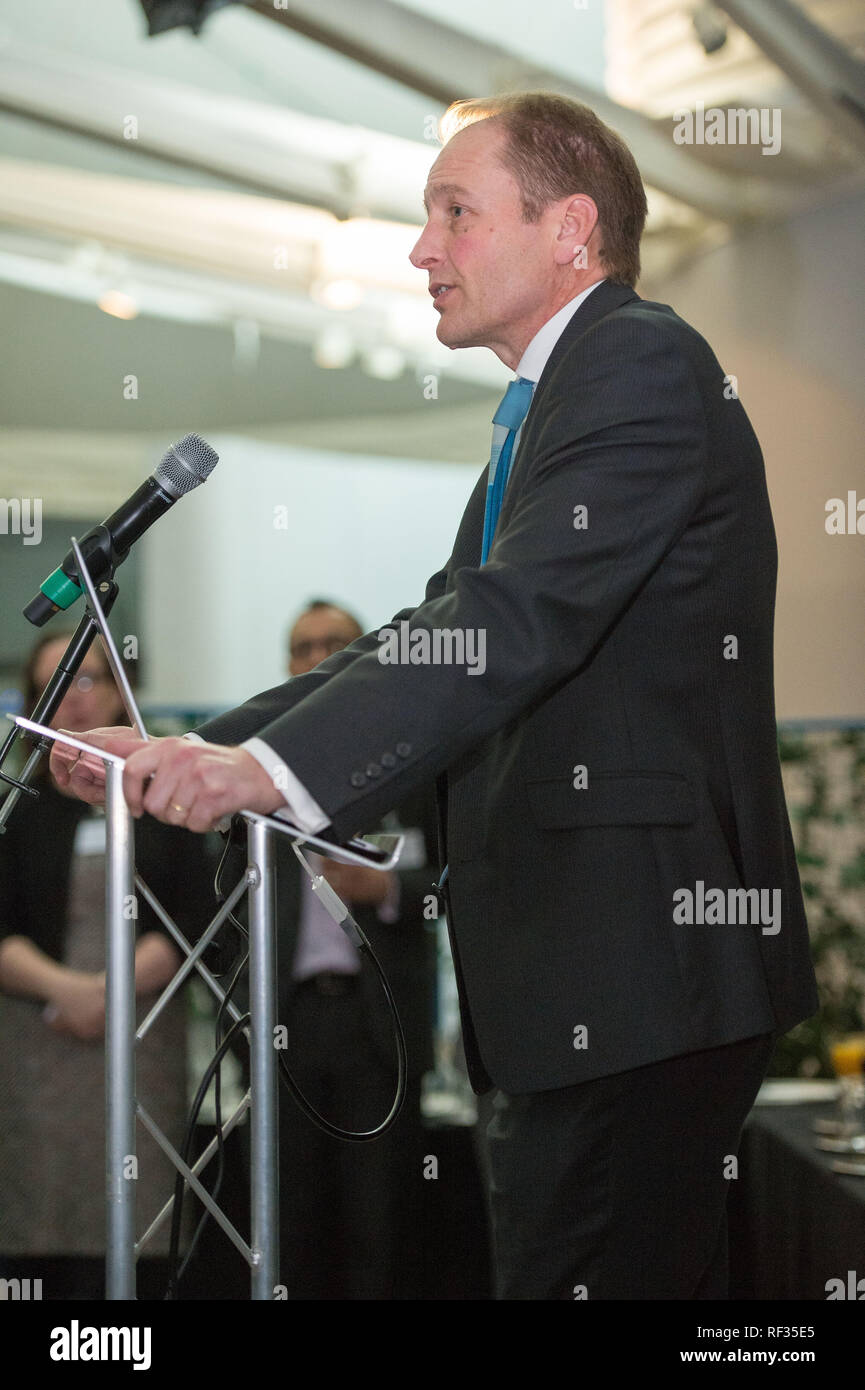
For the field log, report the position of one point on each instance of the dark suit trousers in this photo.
(617, 1188)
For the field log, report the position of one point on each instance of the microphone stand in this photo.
(51, 699)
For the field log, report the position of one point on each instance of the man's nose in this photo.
(426, 250)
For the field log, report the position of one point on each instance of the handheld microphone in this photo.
(183, 467)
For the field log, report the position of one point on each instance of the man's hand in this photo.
(77, 1005)
(82, 774)
(196, 784)
(175, 780)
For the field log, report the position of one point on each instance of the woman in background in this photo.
(52, 1012)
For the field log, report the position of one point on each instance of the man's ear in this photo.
(579, 218)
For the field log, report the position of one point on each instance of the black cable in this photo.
(220, 1139)
(180, 1180)
(351, 1135)
(217, 891)
(364, 948)
(213, 1071)
(176, 1274)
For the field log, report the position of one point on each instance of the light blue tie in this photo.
(507, 421)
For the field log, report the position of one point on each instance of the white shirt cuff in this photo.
(301, 809)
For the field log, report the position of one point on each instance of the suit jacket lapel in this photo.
(600, 302)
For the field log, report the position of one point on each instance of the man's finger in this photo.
(82, 772)
(196, 799)
(140, 767)
(152, 771)
(174, 805)
(92, 766)
(62, 760)
(122, 743)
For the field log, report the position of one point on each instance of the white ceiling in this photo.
(250, 138)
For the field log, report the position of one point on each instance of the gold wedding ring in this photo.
(184, 810)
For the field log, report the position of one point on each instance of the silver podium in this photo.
(121, 1037)
(122, 1107)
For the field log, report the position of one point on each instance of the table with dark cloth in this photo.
(794, 1223)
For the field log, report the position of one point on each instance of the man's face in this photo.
(317, 635)
(502, 274)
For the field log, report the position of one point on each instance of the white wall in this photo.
(783, 307)
(222, 581)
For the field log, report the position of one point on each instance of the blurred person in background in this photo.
(52, 1011)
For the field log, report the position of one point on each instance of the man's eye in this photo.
(456, 208)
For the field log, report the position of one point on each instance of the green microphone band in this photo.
(60, 589)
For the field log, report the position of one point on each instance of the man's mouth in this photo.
(439, 292)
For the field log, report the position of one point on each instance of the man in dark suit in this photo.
(623, 900)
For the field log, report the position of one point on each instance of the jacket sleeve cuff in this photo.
(301, 808)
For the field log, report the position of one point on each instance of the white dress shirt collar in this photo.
(538, 352)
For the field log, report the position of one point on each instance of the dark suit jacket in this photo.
(605, 648)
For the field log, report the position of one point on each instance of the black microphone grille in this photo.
(186, 464)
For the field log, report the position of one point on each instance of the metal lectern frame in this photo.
(121, 1036)
(122, 1106)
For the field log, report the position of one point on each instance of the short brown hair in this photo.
(556, 146)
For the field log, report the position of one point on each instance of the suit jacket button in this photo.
(358, 779)
(403, 750)
(388, 760)
(373, 770)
